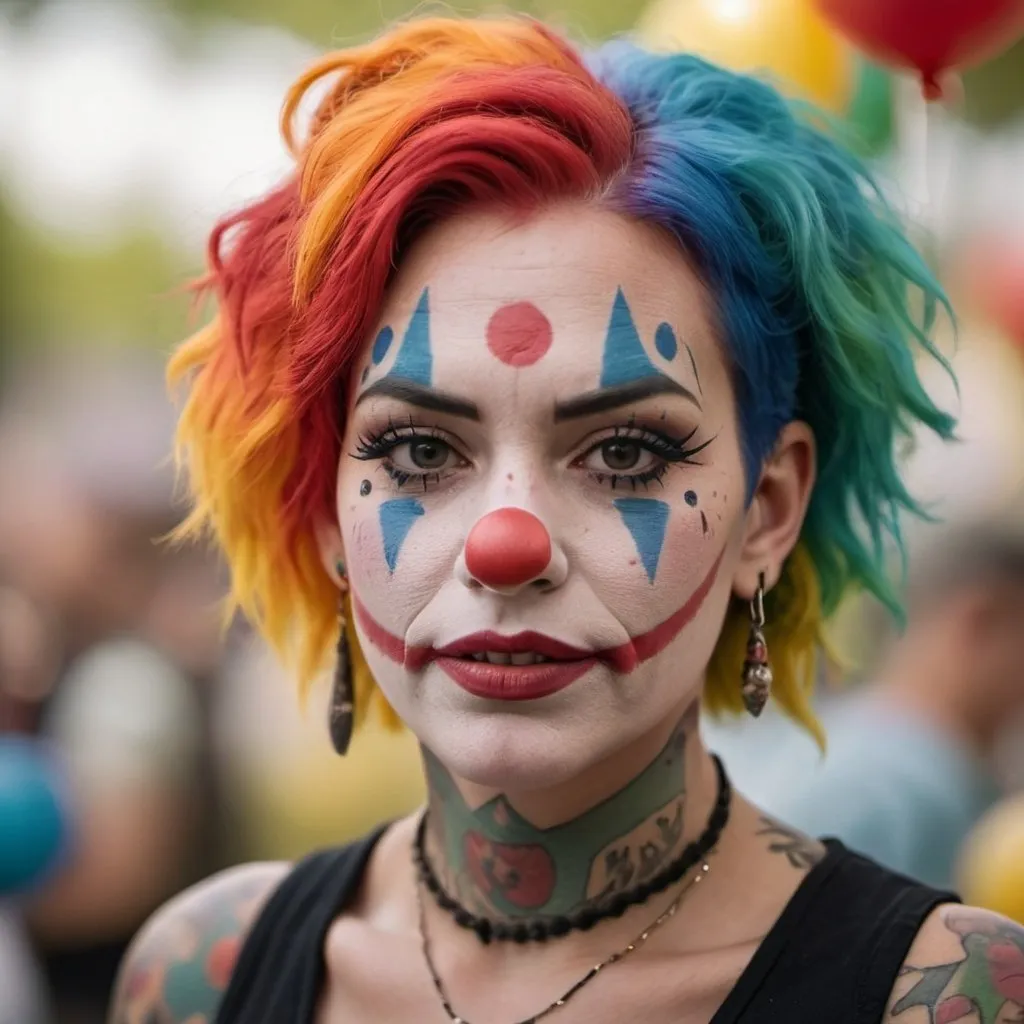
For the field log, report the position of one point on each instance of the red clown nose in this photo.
(507, 547)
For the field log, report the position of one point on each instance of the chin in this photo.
(512, 752)
(524, 745)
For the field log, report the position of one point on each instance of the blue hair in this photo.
(821, 299)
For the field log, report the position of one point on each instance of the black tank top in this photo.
(833, 954)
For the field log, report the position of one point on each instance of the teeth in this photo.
(504, 658)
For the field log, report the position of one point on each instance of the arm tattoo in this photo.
(180, 968)
(986, 984)
(801, 851)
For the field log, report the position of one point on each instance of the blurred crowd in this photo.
(181, 746)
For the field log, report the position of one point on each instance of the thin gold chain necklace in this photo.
(589, 976)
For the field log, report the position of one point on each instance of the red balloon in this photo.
(994, 277)
(931, 36)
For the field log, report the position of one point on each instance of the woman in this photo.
(580, 385)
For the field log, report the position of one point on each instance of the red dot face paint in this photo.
(519, 334)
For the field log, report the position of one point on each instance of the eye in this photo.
(424, 455)
(619, 455)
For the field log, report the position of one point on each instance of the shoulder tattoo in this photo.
(966, 966)
(178, 968)
(800, 850)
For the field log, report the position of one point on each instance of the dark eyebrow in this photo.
(605, 399)
(424, 397)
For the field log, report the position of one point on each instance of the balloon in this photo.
(928, 36)
(33, 814)
(992, 861)
(787, 39)
(871, 113)
(994, 277)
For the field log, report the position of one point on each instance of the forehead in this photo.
(486, 273)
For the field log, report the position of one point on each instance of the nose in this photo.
(508, 549)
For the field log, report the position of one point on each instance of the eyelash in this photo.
(669, 450)
(377, 447)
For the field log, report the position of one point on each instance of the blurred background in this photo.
(141, 747)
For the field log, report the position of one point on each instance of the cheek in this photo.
(399, 552)
(646, 556)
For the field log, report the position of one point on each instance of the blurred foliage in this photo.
(994, 92)
(336, 22)
(128, 292)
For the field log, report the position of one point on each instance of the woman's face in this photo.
(565, 367)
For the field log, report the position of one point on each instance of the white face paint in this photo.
(574, 375)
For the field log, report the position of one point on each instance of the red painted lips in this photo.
(512, 682)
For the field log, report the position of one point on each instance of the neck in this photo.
(523, 856)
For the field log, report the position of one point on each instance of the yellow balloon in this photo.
(991, 871)
(787, 40)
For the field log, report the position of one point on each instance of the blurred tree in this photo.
(7, 294)
(336, 22)
(994, 92)
(58, 293)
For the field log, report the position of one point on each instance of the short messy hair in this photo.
(821, 300)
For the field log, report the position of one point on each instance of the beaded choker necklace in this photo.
(543, 928)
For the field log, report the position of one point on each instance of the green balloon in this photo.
(870, 117)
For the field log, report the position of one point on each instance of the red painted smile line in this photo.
(527, 682)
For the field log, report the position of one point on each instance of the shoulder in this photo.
(179, 964)
(966, 965)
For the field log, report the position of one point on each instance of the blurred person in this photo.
(914, 756)
(572, 379)
(88, 497)
(27, 668)
(23, 997)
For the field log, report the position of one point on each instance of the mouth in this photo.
(536, 665)
(526, 666)
(526, 648)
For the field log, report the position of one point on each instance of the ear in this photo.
(776, 513)
(332, 549)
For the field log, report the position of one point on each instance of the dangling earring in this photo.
(757, 673)
(342, 706)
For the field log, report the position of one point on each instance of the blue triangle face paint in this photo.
(415, 360)
(646, 519)
(624, 358)
(396, 520)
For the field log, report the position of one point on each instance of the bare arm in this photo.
(180, 963)
(965, 965)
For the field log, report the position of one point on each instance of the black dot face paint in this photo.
(365, 487)
(690, 497)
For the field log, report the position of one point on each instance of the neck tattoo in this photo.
(594, 911)
(491, 864)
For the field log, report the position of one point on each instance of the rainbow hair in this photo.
(821, 299)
